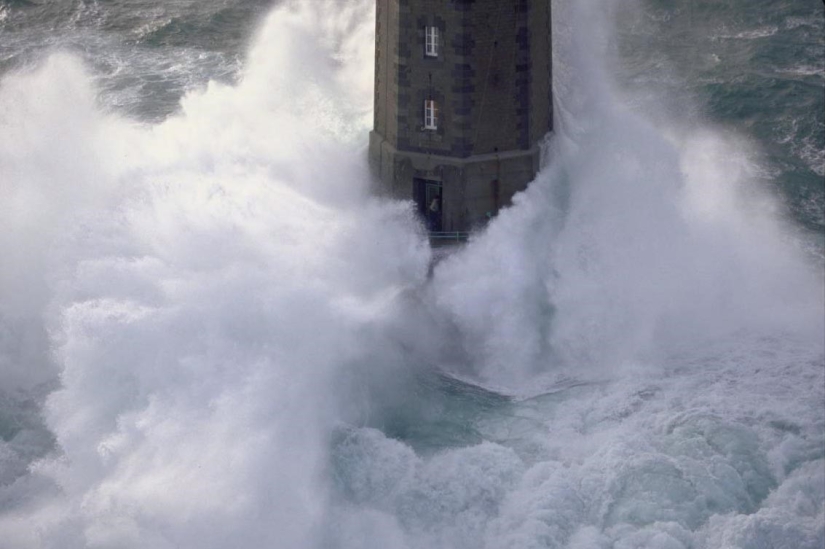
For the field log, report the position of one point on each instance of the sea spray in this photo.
(630, 243)
(203, 282)
(242, 347)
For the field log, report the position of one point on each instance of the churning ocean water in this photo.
(212, 335)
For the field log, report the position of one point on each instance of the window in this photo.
(430, 115)
(431, 42)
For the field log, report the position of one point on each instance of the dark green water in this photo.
(757, 68)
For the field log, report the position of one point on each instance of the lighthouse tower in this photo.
(463, 95)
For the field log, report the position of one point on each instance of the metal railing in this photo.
(446, 237)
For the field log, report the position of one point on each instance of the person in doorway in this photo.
(433, 212)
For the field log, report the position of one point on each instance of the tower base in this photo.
(467, 191)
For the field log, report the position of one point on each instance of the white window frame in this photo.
(430, 114)
(431, 41)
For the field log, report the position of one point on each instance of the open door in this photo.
(428, 199)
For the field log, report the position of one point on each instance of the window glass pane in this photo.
(431, 41)
(430, 114)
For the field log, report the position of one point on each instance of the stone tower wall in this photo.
(492, 82)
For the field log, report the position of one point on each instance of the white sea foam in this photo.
(203, 281)
(223, 306)
(664, 235)
(752, 34)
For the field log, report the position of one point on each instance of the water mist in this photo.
(213, 335)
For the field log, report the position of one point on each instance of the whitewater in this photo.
(214, 334)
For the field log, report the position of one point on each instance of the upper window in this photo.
(431, 42)
(430, 115)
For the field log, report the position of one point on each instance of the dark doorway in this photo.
(428, 201)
